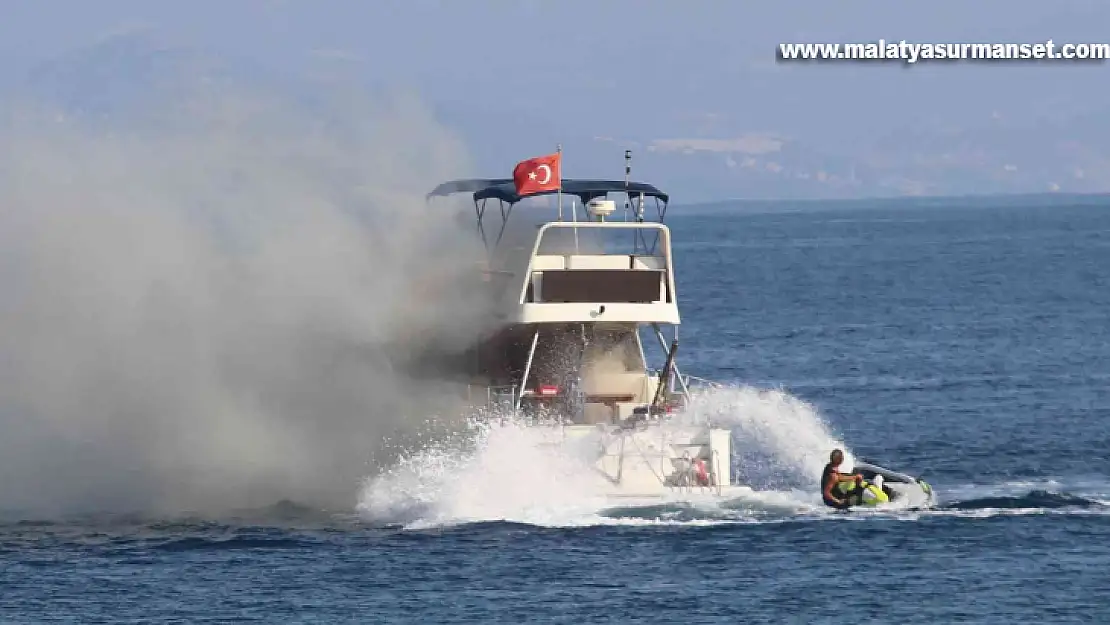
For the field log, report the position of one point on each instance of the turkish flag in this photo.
(538, 174)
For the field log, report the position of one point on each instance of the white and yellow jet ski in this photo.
(885, 488)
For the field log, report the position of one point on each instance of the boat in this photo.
(581, 299)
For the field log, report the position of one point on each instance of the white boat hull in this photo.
(653, 459)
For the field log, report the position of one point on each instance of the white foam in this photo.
(506, 471)
(780, 441)
(496, 471)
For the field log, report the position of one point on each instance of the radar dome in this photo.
(601, 208)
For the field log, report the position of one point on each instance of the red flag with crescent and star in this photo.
(538, 174)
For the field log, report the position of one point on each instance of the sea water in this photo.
(966, 344)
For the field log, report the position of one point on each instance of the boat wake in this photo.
(779, 507)
(1053, 496)
(493, 471)
(779, 441)
(506, 471)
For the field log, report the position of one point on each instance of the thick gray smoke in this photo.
(214, 308)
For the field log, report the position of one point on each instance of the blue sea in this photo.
(968, 344)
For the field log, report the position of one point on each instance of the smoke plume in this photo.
(220, 304)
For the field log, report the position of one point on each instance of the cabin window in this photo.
(602, 285)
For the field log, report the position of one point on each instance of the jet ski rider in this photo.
(837, 489)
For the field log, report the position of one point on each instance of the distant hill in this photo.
(896, 202)
(131, 76)
(1067, 155)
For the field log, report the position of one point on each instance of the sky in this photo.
(602, 76)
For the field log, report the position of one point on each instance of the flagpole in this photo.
(559, 151)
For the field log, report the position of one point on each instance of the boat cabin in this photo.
(577, 275)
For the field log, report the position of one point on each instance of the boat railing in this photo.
(687, 382)
(693, 381)
(685, 481)
(649, 276)
(506, 398)
(495, 397)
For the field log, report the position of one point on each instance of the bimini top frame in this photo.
(504, 191)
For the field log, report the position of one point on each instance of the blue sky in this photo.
(642, 71)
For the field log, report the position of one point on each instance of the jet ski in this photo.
(885, 488)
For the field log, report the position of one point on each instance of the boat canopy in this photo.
(504, 190)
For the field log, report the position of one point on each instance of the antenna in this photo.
(627, 173)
